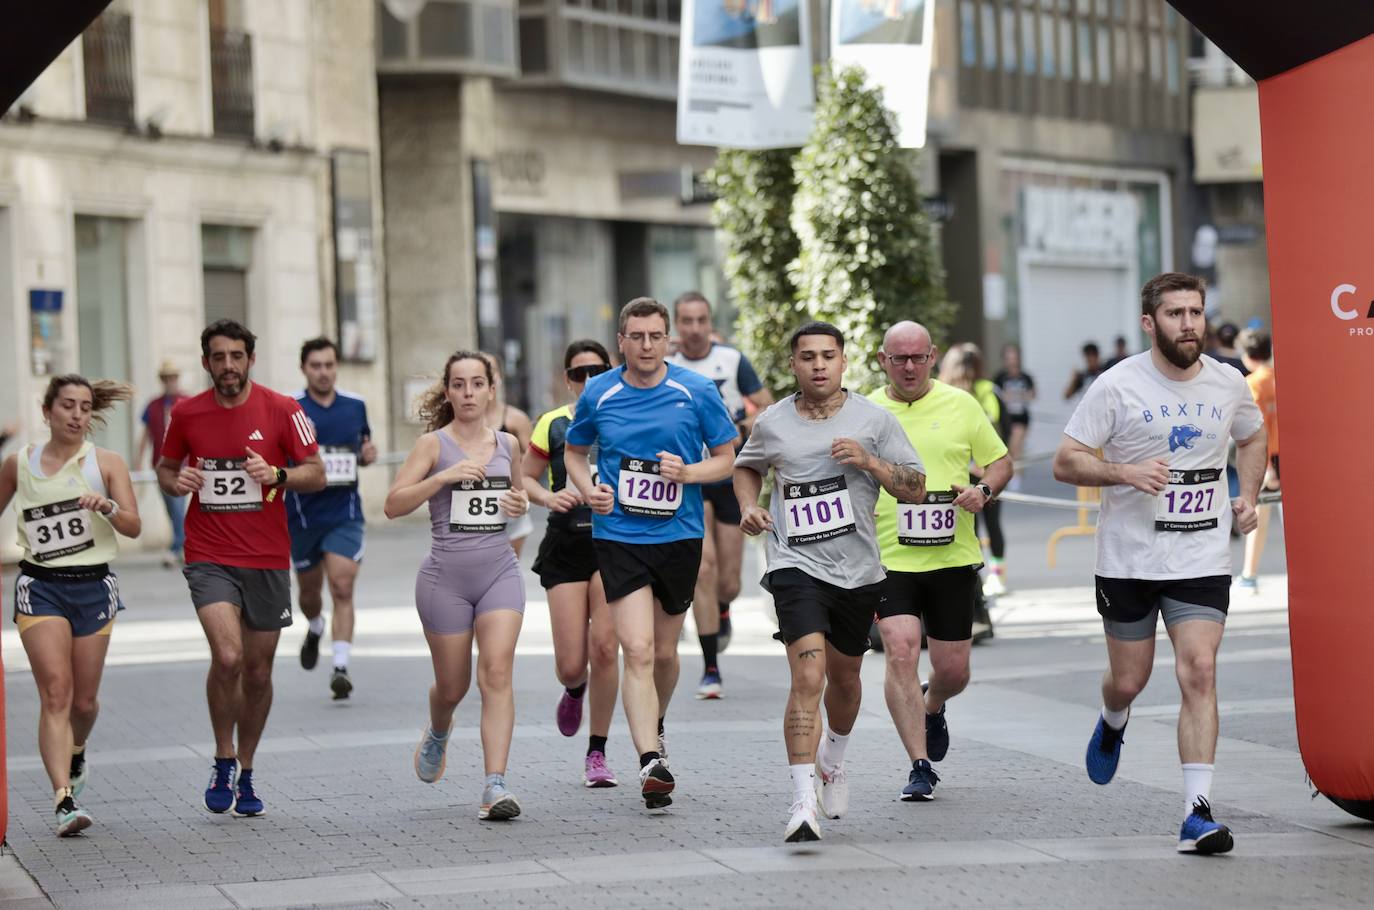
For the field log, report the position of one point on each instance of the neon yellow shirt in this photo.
(949, 429)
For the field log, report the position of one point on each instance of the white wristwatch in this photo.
(114, 510)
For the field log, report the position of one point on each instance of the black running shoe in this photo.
(655, 784)
(937, 735)
(340, 684)
(310, 650)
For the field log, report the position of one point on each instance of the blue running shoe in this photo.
(1104, 751)
(431, 755)
(937, 735)
(219, 795)
(248, 803)
(921, 784)
(1201, 834)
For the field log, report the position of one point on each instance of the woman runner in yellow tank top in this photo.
(71, 499)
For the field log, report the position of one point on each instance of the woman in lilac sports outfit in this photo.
(470, 584)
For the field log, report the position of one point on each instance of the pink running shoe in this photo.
(598, 775)
(569, 714)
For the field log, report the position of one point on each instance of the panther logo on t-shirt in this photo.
(1182, 437)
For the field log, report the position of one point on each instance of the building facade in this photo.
(184, 161)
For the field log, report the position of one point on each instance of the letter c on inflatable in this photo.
(1336, 308)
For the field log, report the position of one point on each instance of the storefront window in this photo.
(102, 314)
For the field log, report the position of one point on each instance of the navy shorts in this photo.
(308, 545)
(86, 597)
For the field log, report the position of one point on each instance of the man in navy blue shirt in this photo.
(661, 431)
(327, 527)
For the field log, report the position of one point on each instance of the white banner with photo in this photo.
(744, 77)
(892, 41)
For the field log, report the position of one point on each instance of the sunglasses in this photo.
(583, 373)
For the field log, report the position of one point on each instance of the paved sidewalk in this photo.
(1015, 824)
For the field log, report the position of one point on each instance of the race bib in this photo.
(57, 530)
(340, 466)
(228, 488)
(929, 523)
(475, 506)
(643, 491)
(817, 510)
(1193, 501)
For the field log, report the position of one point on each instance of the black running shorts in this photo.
(670, 569)
(808, 605)
(943, 599)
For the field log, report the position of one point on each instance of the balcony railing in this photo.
(107, 55)
(467, 37)
(231, 82)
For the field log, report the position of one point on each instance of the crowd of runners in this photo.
(652, 474)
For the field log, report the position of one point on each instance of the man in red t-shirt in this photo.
(229, 447)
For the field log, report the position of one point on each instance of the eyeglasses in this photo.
(583, 373)
(653, 337)
(900, 360)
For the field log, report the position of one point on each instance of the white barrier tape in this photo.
(387, 459)
(1265, 498)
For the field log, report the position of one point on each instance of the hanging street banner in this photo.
(891, 40)
(744, 78)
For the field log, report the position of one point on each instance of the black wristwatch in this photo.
(984, 489)
(281, 477)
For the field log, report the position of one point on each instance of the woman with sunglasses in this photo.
(72, 499)
(566, 565)
(470, 586)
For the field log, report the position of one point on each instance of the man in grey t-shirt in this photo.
(830, 451)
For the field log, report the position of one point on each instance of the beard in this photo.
(230, 385)
(1176, 353)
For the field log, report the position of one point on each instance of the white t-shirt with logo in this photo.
(1134, 412)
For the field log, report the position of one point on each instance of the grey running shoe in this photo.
(430, 756)
(498, 803)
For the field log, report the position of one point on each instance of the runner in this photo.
(1017, 389)
(229, 447)
(469, 587)
(566, 565)
(327, 527)
(1162, 419)
(505, 418)
(155, 415)
(1257, 350)
(930, 548)
(72, 498)
(830, 451)
(722, 549)
(650, 420)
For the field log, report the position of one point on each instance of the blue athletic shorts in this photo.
(308, 545)
(85, 599)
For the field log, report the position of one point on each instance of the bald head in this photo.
(906, 333)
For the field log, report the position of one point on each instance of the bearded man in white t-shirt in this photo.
(1163, 420)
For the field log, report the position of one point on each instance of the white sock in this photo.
(317, 625)
(1115, 719)
(1197, 781)
(804, 783)
(341, 650)
(831, 752)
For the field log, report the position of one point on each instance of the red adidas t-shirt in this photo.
(232, 521)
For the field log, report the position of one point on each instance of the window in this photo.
(1171, 64)
(1085, 52)
(1008, 39)
(989, 22)
(226, 258)
(1066, 47)
(968, 33)
(1047, 45)
(1156, 64)
(1104, 55)
(1028, 61)
(108, 59)
(102, 313)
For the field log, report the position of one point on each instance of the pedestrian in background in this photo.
(1092, 368)
(1017, 390)
(155, 418)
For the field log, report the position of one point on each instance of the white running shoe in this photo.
(993, 585)
(832, 791)
(663, 749)
(804, 826)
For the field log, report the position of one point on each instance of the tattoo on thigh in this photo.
(811, 654)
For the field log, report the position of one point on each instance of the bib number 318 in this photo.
(58, 530)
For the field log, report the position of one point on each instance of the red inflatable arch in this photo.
(1314, 63)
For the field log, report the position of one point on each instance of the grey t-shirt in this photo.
(822, 510)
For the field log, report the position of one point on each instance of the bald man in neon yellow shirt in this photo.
(930, 548)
